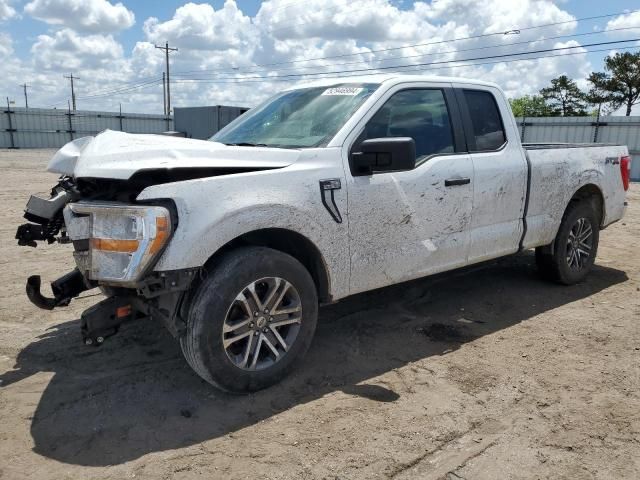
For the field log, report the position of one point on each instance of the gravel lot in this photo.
(483, 374)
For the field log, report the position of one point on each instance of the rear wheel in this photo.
(571, 256)
(251, 320)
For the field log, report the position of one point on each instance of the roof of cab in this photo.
(389, 78)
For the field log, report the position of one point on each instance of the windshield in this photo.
(307, 117)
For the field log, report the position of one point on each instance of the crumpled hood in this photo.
(119, 155)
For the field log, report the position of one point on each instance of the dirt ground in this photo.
(483, 374)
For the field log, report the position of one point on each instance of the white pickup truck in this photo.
(319, 193)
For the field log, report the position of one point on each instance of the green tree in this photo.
(598, 96)
(620, 80)
(563, 97)
(529, 106)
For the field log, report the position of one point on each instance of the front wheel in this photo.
(575, 246)
(251, 320)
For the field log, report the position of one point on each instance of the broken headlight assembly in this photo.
(116, 243)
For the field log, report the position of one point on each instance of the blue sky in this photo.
(43, 39)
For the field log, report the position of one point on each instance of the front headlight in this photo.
(116, 242)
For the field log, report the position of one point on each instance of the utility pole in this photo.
(166, 53)
(26, 100)
(11, 129)
(164, 95)
(73, 93)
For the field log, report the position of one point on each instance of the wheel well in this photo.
(592, 193)
(291, 243)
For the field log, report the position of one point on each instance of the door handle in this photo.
(452, 182)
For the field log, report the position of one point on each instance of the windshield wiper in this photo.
(247, 144)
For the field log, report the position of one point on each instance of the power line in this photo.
(485, 47)
(505, 55)
(439, 42)
(128, 87)
(427, 69)
(117, 86)
(123, 89)
(166, 52)
(448, 66)
(115, 92)
(489, 34)
(523, 59)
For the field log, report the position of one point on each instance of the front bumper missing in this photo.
(160, 296)
(103, 319)
(97, 322)
(64, 289)
(136, 294)
(45, 215)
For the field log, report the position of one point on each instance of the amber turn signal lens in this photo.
(114, 245)
(162, 233)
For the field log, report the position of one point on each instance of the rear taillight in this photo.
(625, 171)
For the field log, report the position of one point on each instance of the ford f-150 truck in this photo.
(321, 192)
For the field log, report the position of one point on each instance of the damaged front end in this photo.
(45, 215)
(116, 243)
(46, 223)
(117, 239)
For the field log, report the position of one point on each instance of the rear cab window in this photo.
(488, 129)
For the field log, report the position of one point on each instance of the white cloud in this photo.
(500, 15)
(436, 23)
(365, 20)
(224, 45)
(200, 27)
(6, 45)
(6, 10)
(91, 16)
(286, 33)
(527, 77)
(69, 51)
(625, 21)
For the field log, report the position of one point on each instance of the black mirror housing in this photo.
(384, 155)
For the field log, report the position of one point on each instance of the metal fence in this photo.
(52, 128)
(619, 130)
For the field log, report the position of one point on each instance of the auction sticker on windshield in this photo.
(349, 91)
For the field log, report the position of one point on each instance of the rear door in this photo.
(499, 171)
(406, 224)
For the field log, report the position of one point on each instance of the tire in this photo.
(220, 311)
(572, 260)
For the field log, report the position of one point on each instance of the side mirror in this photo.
(384, 155)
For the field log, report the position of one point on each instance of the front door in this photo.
(404, 225)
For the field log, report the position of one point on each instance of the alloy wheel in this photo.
(579, 244)
(262, 323)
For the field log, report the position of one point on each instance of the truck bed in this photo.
(557, 171)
